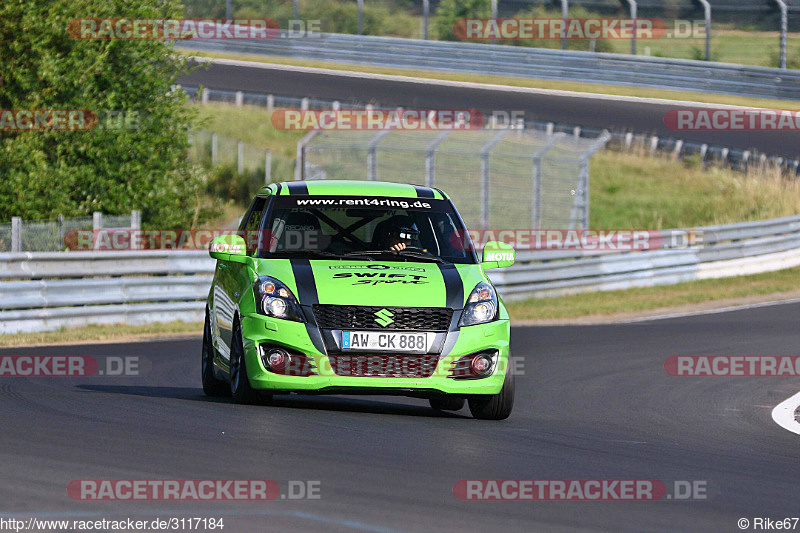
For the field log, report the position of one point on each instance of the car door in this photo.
(231, 278)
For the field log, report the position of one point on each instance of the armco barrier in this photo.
(620, 69)
(48, 291)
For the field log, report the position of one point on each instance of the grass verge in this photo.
(103, 333)
(739, 290)
(535, 83)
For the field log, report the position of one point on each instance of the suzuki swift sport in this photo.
(352, 287)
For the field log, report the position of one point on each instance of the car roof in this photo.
(352, 188)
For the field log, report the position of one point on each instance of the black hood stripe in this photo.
(307, 294)
(423, 192)
(304, 278)
(454, 287)
(298, 188)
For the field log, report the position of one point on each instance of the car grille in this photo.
(363, 317)
(384, 366)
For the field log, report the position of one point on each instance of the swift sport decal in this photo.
(377, 278)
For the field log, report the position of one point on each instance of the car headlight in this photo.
(481, 305)
(273, 298)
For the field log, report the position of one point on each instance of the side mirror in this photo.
(498, 255)
(228, 248)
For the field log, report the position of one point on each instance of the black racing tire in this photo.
(241, 390)
(496, 407)
(447, 403)
(211, 385)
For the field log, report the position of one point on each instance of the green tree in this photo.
(449, 11)
(76, 172)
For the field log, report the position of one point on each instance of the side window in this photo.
(251, 223)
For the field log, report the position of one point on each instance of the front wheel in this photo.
(211, 385)
(241, 390)
(496, 407)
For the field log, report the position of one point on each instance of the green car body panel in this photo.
(350, 282)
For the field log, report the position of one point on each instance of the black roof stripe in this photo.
(298, 188)
(423, 192)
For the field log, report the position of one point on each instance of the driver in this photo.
(396, 233)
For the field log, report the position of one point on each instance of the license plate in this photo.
(380, 341)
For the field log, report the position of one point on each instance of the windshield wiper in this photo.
(401, 253)
(318, 253)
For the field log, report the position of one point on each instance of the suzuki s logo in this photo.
(384, 317)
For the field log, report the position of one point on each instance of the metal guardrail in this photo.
(619, 69)
(48, 291)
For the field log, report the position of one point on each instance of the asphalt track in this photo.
(594, 403)
(589, 111)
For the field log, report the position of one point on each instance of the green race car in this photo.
(353, 287)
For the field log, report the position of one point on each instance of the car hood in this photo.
(375, 283)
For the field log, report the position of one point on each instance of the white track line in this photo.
(783, 414)
(466, 84)
(715, 311)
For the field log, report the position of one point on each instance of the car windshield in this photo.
(364, 229)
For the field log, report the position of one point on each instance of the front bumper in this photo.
(258, 329)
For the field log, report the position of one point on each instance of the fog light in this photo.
(480, 365)
(276, 359)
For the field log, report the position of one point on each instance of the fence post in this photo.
(304, 104)
(678, 147)
(372, 156)
(564, 15)
(430, 154)
(213, 149)
(136, 227)
(295, 13)
(61, 233)
(360, 5)
(239, 98)
(486, 180)
(240, 157)
(97, 220)
(632, 3)
(300, 161)
(784, 28)
(536, 207)
(204, 96)
(426, 15)
(707, 13)
(268, 167)
(580, 206)
(270, 103)
(494, 14)
(16, 234)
